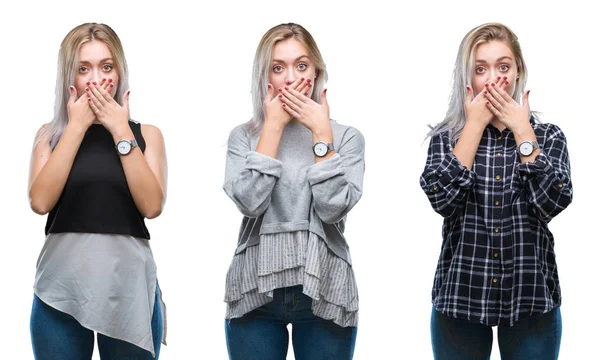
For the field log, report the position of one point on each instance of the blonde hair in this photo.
(68, 63)
(262, 67)
(463, 72)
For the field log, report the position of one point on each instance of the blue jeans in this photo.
(56, 335)
(262, 333)
(537, 337)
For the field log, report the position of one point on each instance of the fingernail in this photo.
(103, 80)
(308, 80)
(280, 96)
(89, 83)
(485, 92)
(87, 89)
(128, 92)
(505, 78)
(283, 105)
(111, 85)
(89, 100)
(94, 83)
(109, 80)
(280, 90)
(309, 85)
(487, 84)
(506, 83)
(286, 88)
(487, 102)
(493, 84)
(301, 79)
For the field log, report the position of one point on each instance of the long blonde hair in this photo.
(68, 63)
(262, 67)
(463, 72)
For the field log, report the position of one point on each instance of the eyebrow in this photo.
(103, 60)
(298, 58)
(499, 59)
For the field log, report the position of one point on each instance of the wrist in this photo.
(324, 134)
(77, 127)
(122, 133)
(474, 127)
(273, 127)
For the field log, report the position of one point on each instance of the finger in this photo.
(491, 98)
(94, 106)
(469, 95)
(95, 94)
(490, 107)
(105, 94)
(324, 98)
(296, 83)
(270, 93)
(303, 86)
(525, 100)
(290, 111)
(299, 96)
(289, 103)
(126, 99)
(292, 97)
(72, 95)
(494, 90)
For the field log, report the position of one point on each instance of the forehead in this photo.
(94, 50)
(492, 50)
(289, 49)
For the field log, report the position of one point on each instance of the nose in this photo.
(290, 77)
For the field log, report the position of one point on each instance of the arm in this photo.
(49, 170)
(249, 175)
(146, 173)
(547, 179)
(445, 180)
(337, 182)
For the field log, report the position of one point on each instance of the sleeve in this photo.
(249, 176)
(337, 183)
(445, 181)
(547, 180)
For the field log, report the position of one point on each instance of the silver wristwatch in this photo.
(124, 147)
(527, 147)
(322, 148)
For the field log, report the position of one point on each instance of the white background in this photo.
(390, 70)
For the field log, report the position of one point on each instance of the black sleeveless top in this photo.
(96, 198)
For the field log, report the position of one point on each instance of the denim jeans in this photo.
(262, 333)
(56, 335)
(537, 337)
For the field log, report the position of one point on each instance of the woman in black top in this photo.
(98, 175)
(497, 176)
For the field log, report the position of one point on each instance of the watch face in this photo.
(526, 148)
(124, 147)
(320, 149)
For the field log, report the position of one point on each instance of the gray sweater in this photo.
(293, 192)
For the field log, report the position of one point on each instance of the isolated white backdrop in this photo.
(390, 67)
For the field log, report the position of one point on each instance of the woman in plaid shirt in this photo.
(497, 176)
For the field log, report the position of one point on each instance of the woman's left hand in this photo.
(113, 116)
(513, 115)
(305, 110)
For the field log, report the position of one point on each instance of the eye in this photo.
(82, 69)
(504, 67)
(107, 67)
(277, 68)
(479, 70)
(302, 66)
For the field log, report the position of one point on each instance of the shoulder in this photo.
(240, 133)
(42, 135)
(151, 135)
(548, 131)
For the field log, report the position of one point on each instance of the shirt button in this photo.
(560, 185)
(498, 154)
(500, 137)
(497, 177)
(497, 203)
(496, 230)
(495, 255)
(495, 280)
(435, 188)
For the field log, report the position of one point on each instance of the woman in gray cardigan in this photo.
(294, 174)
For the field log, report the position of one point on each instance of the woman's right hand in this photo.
(80, 112)
(476, 109)
(274, 112)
